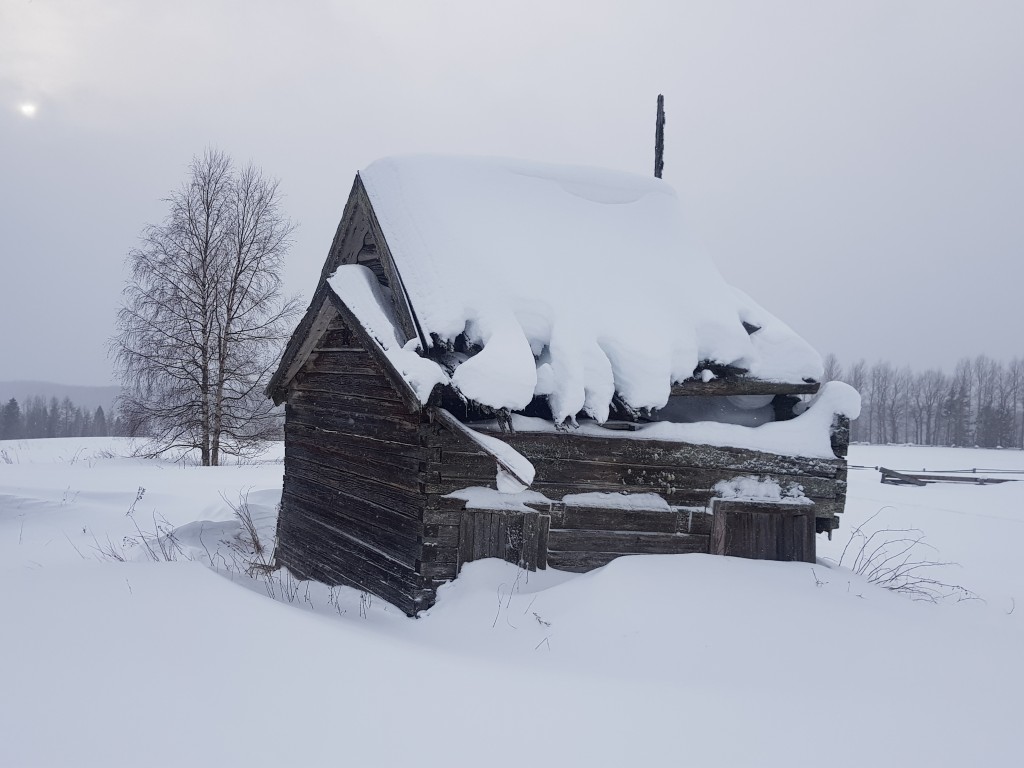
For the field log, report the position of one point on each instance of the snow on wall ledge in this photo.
(576, 282)
(808, 435)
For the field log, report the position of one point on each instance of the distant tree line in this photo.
(56, 418)
(981, 403)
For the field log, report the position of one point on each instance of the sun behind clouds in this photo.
(28, 109)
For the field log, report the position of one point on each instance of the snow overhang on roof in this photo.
(576, 283)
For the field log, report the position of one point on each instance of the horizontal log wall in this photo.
(582, 538)
(695, 520)
(313, 550)
(355, 478)
(579, 538)
(683, 474)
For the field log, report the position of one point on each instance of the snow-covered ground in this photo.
(670, 660)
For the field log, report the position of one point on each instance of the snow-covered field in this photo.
(671, 660)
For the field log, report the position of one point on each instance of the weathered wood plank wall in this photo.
(366, 480)
(354, 495)
(683, 474)
(583, 538)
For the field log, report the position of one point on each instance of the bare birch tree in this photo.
(857, 377)
(881, 380)
(933, 386)
(1016, 373)
(203, 316)
(896, 410)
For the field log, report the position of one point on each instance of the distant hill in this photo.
(88, 398)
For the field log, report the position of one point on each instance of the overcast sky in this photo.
(857, 167)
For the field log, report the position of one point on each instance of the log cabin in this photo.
(536, 363)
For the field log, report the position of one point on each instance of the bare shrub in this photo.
(898, 559)
(159, 543)
(250, 536)
(108, 550)
(258, 556)
(138, 497)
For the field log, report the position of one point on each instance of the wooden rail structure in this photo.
(893, 477)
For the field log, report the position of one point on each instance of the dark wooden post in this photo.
(840, 435)
(659, 138)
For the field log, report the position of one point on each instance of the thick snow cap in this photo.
(576, 282)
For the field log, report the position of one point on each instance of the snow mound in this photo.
(479, 497)
(751, 488)
(809, 434)
(637, 501)
(576, 283)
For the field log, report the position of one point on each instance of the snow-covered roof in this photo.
(576, 282)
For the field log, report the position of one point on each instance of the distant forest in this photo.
(56, 418)
(980, 404)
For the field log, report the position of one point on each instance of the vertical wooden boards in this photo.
(466, 538)
(481, 530)
(528, 546)
(499, 535)
(763, 530)
(543, 528)
(517, 537)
